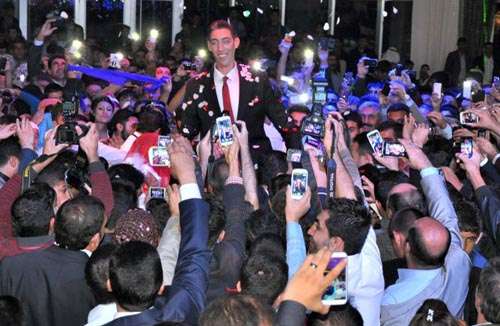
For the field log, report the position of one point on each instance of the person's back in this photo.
(51, 283)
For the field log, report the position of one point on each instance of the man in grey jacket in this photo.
(437, 265)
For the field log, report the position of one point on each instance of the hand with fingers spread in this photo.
(232, 156)
(46, 30)
(310, 282)
(7, 130)
(417, 158)
(463, 133)
(420, 135)
(25, 133)
(451, 177)
(390, 162)
(50, 147)
(486, 120)
(437, 118)
(472, 167)
(174, 198)
(295, 209)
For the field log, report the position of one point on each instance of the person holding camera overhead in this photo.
(234, 90)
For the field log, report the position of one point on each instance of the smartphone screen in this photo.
(468, 117)
(392, 148)
(467, 89)
(157, 192)
(158, 156)
(376, 141)
(225, 130)
(299, 183)
(437, 89)
(466, 147)
(336, 293)
(293, 155)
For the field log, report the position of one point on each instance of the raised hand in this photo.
(420, 135)
(418, 160)
(46, 30)
(181, 160)
(25, 133)
(295, 209)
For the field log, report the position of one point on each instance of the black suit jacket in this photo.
(185, 298)
(257, 101)
(452, 66)
(50, 284)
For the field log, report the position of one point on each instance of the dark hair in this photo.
(124, 198)
(389, 124)
(221, 24)
(468, 216)
(126, 173)
(52, 88)
(278, 203)
(9, 147)
(274, 165)
(270, 243)
(345, 315)
(435, 310)
(398, 107)
(354, 117)
(55, 171)
(260, 222)
(54, 57)
(77, 221)
(32, 210)
(364, 145)
(387, 181)
(236, 310)
(409, 199)
(120, 116)
(421, 254)
(403, 220)
(350, 221)
(97, 272)
(11, 311)
(488, 290)
(218, 175)
(216, 219)
(150, 121)
(160, 210)
(136, 275)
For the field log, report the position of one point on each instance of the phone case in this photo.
(299, 183)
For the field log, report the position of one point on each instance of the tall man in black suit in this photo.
(235, 90)
(457, 63)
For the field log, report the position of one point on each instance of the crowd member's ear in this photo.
(161, 290)
(94, 242)
(336, 244)
(221, 236)
(238, 287)
(119, 127)
(108, 285)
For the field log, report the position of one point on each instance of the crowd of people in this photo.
(128, 199)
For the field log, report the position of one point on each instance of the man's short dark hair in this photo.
(409, 199)
(269, 243)
(160, 210)
(262, 221)
(151, 120)
(120, 116)
(124, 198)
(9, 147)
(126, 173)
(350, 221)
(389, 124)
(467, 215)
(441, 315)
(488, 291)
(363, 143)
(274, 165)
(55, 171)
(345, 315)
(32, 210)
(136, 275)
(421, 254)
(221, 24)
(388, 180)
(218, 175)
(11, 311)
(77, 221)
(264, 276)
(52, 88)
(403, 220)
(236, 310)
(97, 272)
(54, 57)
(216, 219)
(396, 107)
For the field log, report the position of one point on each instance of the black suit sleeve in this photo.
(190, 122)
(34, 61)
(291, 313)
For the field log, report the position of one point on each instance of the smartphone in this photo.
(466, 146)
(293, 155)
(371, 63)
(482, 133)
(299, 183)
(3, 63)
(158, 156)
(437, 88)
(394, 148)
(468, 117)
(114, 60)
(496, 82)
(336, 293)
(467, 89)
(225, 130)
(157, 192)
(376, 141)
(164, 141)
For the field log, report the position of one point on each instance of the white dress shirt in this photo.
(365, 281)
(233, 83)
(101, 314)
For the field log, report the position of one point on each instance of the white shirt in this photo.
(233, 83)
(126, 313)
(101, 314)
(365, 281)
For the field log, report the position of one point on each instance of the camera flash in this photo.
(202, 53)
(308, 53)
(326, 27)
(257, 65)
(119, 56)
(153, 34)
(77, 55)
(76, 45)
(304, 97)
(135, 36)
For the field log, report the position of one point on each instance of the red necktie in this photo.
(226, 99)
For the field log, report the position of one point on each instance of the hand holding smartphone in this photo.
(299, 183)
(224, 130)
(376, 141)
(336, 293)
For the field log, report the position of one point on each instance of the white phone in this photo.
(225, 130)
(467, 91)
(376, 141)
(437, 88)
(299, 183)
(336, 293)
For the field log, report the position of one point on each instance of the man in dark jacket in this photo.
(457, 63)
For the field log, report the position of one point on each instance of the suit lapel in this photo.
(212, 100)
(245, 96)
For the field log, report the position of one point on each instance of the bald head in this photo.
(428, 242)
(404, 195)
